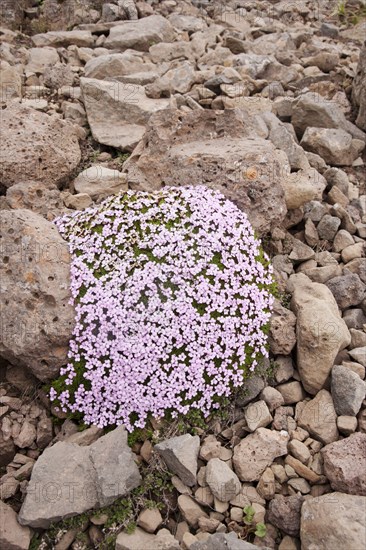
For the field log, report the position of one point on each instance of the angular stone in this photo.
(224, 150)
(40, 58)
(116, 65)
(36, 146)
(299, 450)
(191, 511)
(303, 186)
(348, 289)
(319, 418)
(284, 513)
(358, 90)
(140, 35)
(37, 318)
(345, 464)
(334, 520)
(58, 39)
(26, 436)
(282, 338)
(223, 482)
(98, 181)
(292, 392)
(92, 476)
(12, 535)
(335, 146)
(328, 227)
(321, 333)
(221, 541)
(41, 198)
(139, 540)
(347, 425)
(272, 397)
(180, 455)
(150, 519)
(348, 391)
(257, 451)
(257, 415)
(118, 113)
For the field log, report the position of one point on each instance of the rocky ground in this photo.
(265, 101)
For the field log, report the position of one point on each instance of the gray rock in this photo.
(302, 186)
(180, 455)
(257, 451)
(140, 35)
(91, 477)
(98, 181)
(40, 58)
(358, 89)
(334, 520)
(345, 464)
(223, 482)
(118, 113)
(321, 333)
(348, 289)
(335, 146)
(348, 391)
(282, 337)
(319, 418)
(36, 146)
(191, 149)
(359, 355)
(36, 316)
(284, 513)
(253, 386)
(58, 39)
(12, 535)
(113, 66)
(328, 227)
(139, 539)
(221, 541)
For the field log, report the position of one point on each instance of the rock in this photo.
(257, 415)
(345, 464)
(342, 240)
(114, 66)
(347, 425)
(333, 521)
(292, 392)
(40, 58)
(137, 540)
(358, 88)
(36, 196)
(266, 485)
(301, 469)
(220, 541)
(11, 84)
(12, 535)
(59, 39)
(302, 186)
(93, 476)
(80, 201)
(284, 513)
(180, 455)
(320, 332)
(257, 451)
(179, 79)
(150, 519)
(253, 386)
(328, 227)
(359, 355)
(191, 511)
(348, 391)
(37, 318)
(335, 146)
(216, 149)
(352, 252)
(347, 289)
(284, 369)
(299, 451)
(223, 482)
(282, 338)
(118, 113)
(7, 449)
(98, 181)
(319, 418)
(36, 146)
(140, 35)
(272, 397)
(26, 436)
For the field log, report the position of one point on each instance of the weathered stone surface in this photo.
(98, 181)
(319, 418)
(345, 464)
(302, 186)
(335, 520)
(191, 510)
(140, 35)
(36, 316)
(257, 451)
(118, 113)
(282, 338)
(348, 391)
(180, 148)
(138, 540)
(92, 476)
(116, 65)
(150, 519)
(320, 331)
(36, 147)
(220, 541)
(358, 90)
(181, 454)
(284, 513)
(223, 482)
(12, 535)
(7, 449)
(334, 145)
(58, 39)
(257, 415)
(41, 198)
(347, 289)
(40, 58)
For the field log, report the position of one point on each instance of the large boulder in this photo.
(12, 535)
(36, 317)
(334, 520)
(91, 477)
(223, 150)
(358, 90)
(141, 34)
(117, 112)
(320, 330)
(113, 66)
(36, 146)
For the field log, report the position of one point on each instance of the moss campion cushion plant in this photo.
(172, 295)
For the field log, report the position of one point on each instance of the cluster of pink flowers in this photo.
(172, 297)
